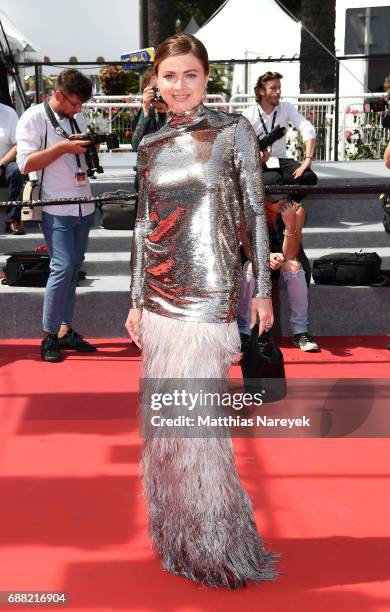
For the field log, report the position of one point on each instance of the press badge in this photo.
(80, 178)
(273, 162)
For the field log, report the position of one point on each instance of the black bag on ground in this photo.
(348, 269)
(26, 269)
(118, 214)
(262, 367)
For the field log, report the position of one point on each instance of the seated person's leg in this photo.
(287, 169)
(272, 177)
(305, 263)
(297, 294)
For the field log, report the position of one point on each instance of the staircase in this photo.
(333, 224)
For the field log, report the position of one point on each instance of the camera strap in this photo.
(75, 130)
(60, 130)
(263, 122)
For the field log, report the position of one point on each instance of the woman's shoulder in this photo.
(223, 118)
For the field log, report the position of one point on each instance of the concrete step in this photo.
(346, 236)
(100, 240)
(102, 306)
(100, 263)
(321, 210)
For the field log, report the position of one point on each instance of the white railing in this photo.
(360, 133)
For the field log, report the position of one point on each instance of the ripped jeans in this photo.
(297, 295)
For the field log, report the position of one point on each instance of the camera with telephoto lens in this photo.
(272, 136)
(157, 96)
(91, 155)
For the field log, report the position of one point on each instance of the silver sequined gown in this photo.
(199, 182)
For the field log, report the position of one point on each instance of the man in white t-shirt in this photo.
(44, 151)
(10, 175)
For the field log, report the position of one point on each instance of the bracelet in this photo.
(285, 233)
(308, 157)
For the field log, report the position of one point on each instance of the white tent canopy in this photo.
(250, 29)
(17, 41)
(254, 29)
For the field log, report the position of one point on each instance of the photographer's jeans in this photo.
(297, 295)
(66, 238)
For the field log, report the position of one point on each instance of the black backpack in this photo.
(349, 269)
(26, 269)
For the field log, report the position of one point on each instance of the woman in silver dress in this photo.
(199, 182)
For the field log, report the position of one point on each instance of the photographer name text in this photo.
(228, 421)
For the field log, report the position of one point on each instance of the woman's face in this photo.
(182, 82)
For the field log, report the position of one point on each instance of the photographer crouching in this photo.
(46, 149)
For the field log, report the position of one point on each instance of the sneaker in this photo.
(74, 341)
(50, 348)
(15, 228)
(305, 342)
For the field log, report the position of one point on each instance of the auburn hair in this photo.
(181, 44)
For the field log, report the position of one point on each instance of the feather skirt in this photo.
(201, 519)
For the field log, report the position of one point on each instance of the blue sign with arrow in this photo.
(137, 59)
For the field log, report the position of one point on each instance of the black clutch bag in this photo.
(262, 366)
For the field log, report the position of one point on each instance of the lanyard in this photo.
(263, 123)
(60, 130)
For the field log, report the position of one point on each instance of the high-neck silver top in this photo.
(200, 185)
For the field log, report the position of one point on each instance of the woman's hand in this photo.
(147, 98)
(262, 308)
(132, 325)
(276, 260)
(288, 213)
(264, 156)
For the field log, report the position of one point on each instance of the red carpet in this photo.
(72, 516)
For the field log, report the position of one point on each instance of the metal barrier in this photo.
(361, 135)
(269, 189)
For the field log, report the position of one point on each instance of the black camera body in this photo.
(91, 155)
(272, 136)
(157, 96)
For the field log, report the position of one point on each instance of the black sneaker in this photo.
(50, 348)
(74, 341)
(305, 342)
